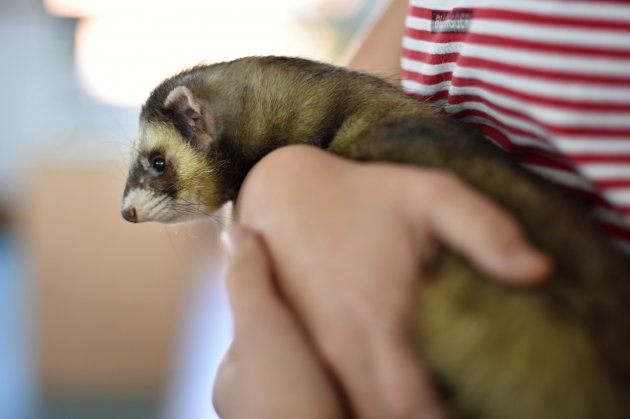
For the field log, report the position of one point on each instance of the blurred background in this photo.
(100, 318)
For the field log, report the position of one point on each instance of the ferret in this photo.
(559, 351)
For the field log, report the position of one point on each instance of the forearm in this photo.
(377, 49)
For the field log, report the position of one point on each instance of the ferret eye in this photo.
(159, 164)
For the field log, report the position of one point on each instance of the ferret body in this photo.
(561, 350)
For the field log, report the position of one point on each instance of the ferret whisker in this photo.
(188, 209)
(223, 218)
(130, 145)
(158, 202)
(219, 222)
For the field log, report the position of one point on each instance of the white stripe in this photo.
(539, 33)
(606, 170)
(433, 69)
(593, 145)
(618, 196)
(430, 47)
(411, 86)
(623, 245)
(419, 88)
(561, 177)
(418, 23)
(611, 217)
(589, 10)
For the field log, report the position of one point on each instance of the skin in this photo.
(271, 357)
(356, 312)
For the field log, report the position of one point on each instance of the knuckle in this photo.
(340, 343)
(505, 235)
(498, 226)
(441, 183)
(260, 192)
(276, 164)
(447, 180)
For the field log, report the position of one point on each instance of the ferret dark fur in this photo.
(559, 351)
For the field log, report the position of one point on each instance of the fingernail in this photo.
(233, 236)
(530, 262)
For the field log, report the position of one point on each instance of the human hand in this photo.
(346, 239)
(270, 371)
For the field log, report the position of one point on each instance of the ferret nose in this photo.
(130, 214)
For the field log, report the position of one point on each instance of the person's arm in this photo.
(377, 49)
(346, 239)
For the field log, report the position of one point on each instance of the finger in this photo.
(405, 383)
(487, 235)
(250, 283)
(384, 377)
(263, 325)
(346, 351)
(278, 373)
(225, 385)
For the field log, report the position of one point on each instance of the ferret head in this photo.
(170, 176)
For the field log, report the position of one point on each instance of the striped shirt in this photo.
(548, 81)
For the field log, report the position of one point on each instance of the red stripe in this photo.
(421, 12)
(612, 183)
(436, 37)
(542, 161)
(426, 79)
(435, 97)
(623, 210)
(616, 231)
(501, 124)
(511, 130)
(599, 158)
(535, 18)
(428, 58)
(484, 39)
(584, 195)
(494, 134)
(497, 135)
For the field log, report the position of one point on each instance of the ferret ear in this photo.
(196, 114)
